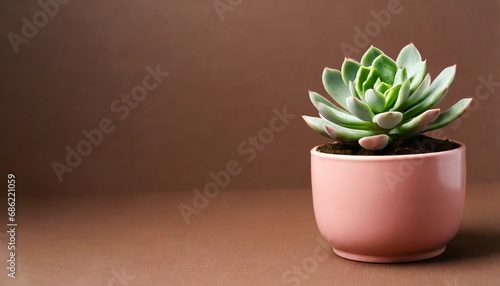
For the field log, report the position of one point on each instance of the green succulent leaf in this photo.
(375, 100)
(375, 142)
(353, 90)
(401, 76)
(450, 115)
(362, 75)
(359, 109)
(334, 85)
(370, 55)
(388, 120)
(425, 104)
(383, 87)
(434, 94)
(403, 94)
(345, 134)
(417, 75)
(391, 96)
(343, 119)
(316, 99)
(349, 70)
(373, 76)
(408, 57)
(417, 96)
(418, 123)
(386, 67)
(444, 79)
(316, 124)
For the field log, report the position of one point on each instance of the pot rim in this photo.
(315, 153)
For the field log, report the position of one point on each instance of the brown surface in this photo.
(251, 237)
(226, 77)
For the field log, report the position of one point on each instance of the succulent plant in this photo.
(380, 100)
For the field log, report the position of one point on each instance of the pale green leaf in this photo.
(370, 56)
(425, 104)
(450, 115)
(391, 96)
(417, 124)
(383, 87)
(375, 142)
(418, 95)
(353, 90)
(316, 124)
(344, 119)
(434, 93)
(373, 76)
(386, 67)
(401, 76)
(349, 70)
(408, 56)
(403, 94)
(359, 109)
(316, 98)
(417, 75)
(334, 85)
(375, 100)
(388, 120)
(345, 134)
(361, 77)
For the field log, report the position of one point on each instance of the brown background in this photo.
(118, 211)
(225, 79)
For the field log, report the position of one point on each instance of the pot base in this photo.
(389, 259)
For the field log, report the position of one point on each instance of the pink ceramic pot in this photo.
(385, 209)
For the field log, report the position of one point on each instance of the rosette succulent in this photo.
(379, 100)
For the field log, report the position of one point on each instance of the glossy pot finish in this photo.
(394, 208)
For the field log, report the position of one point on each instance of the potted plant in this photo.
(382, 191)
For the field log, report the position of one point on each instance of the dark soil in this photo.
(415, 145)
